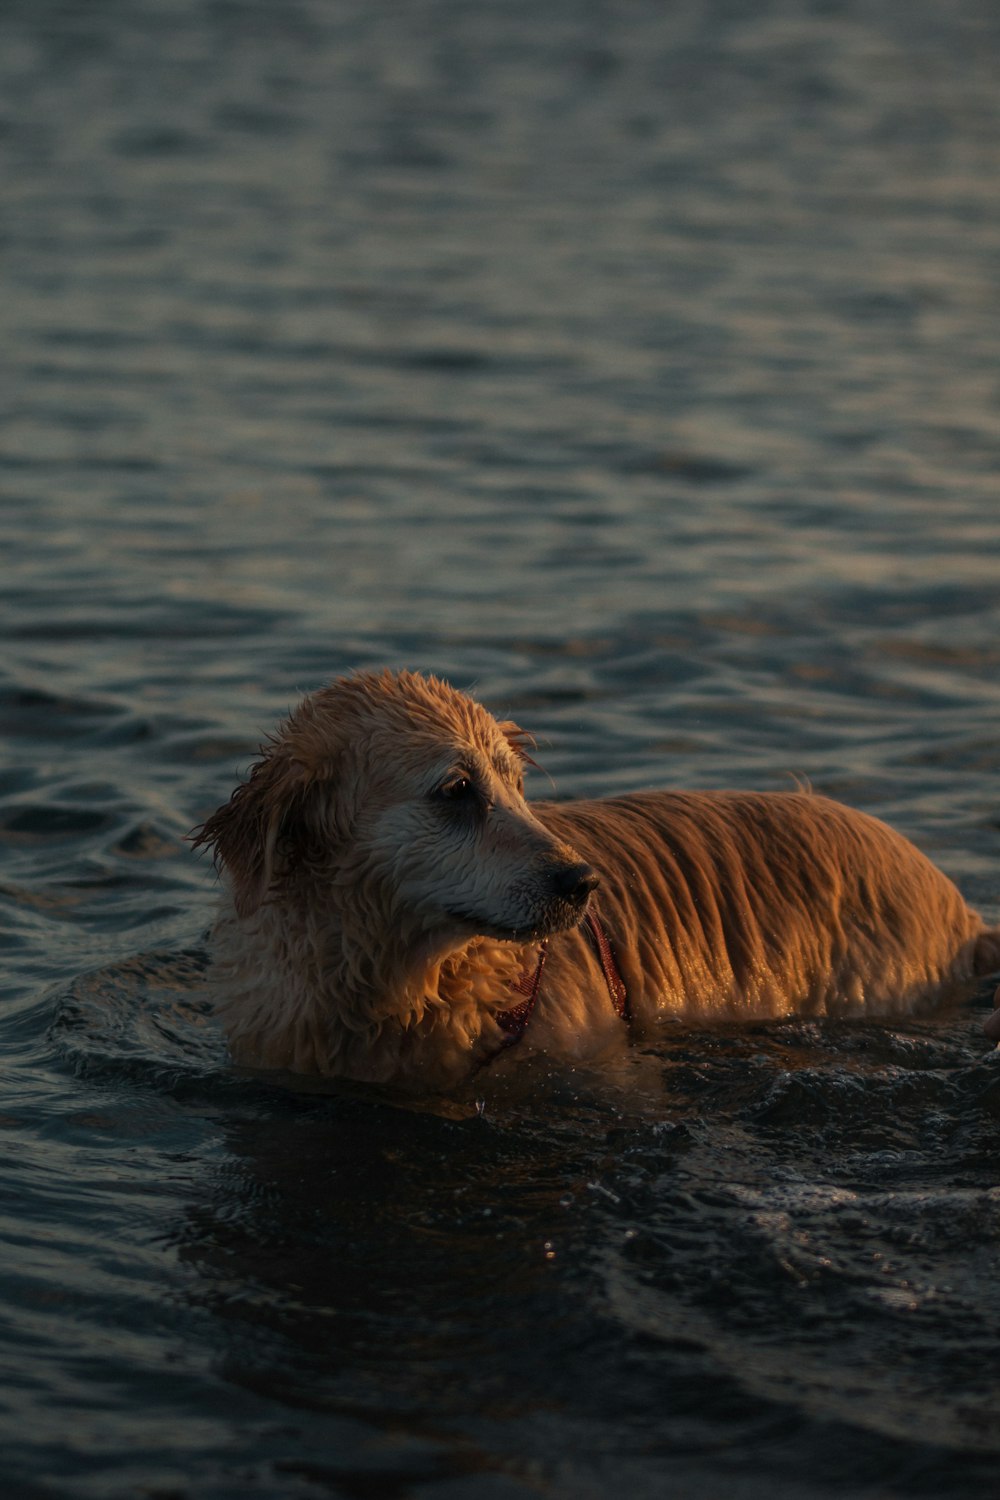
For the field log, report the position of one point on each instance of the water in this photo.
(637, 366)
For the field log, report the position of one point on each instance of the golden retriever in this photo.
(391, 899)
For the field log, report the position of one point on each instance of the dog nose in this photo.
(575, 882)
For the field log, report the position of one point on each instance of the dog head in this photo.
(392, 798)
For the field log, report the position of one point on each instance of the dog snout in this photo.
(575, 882)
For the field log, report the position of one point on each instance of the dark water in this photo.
(638, 365)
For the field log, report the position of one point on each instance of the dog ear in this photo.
(245, 833)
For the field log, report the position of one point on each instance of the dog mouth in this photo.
(559, 905)
(560, 916)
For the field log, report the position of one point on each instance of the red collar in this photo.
(514, 1022)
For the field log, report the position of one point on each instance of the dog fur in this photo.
(386, 883)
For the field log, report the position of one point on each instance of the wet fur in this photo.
(374, 917)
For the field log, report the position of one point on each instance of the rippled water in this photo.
(637, 366)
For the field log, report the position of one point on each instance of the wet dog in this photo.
(391, 900)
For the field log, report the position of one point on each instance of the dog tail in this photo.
(986, 960)
(986, 952)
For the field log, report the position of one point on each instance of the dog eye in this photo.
(458, 789)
